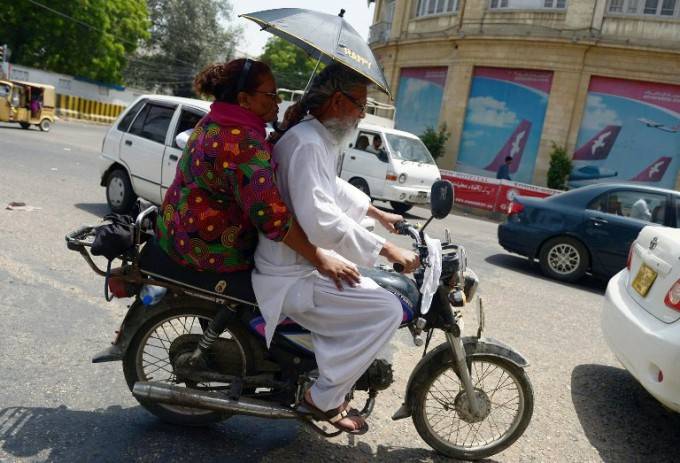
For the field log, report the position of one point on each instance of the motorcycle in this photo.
(198, 357)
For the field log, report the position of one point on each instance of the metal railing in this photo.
(379, 32)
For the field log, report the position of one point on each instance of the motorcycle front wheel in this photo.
(179, 327)
(442, 416)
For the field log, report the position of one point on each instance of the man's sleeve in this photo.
(351, 200)
(313, 199)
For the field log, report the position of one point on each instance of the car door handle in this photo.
(597, 221)
(173, 157)
(128, 142)
(352, 157)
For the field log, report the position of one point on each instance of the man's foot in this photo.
(343, 417)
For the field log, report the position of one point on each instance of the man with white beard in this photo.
(349, 325)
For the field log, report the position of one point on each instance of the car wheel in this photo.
(45, 125)
(564, 259)
(119, 193)
(24, 125)
(400, 208)
(361, 184)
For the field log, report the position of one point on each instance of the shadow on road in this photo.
(97, 209)
(116, 434)
(524, 266)
(620, 419)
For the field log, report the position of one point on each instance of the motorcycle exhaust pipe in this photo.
(208, 400)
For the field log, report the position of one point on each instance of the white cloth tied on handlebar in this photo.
(432, 273)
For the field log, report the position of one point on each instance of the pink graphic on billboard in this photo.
(538, 80)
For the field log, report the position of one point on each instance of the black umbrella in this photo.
(324, 36)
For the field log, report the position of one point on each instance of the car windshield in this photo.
(408, 149)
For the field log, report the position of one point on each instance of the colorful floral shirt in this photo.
(223, 193)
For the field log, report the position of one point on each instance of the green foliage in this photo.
(90, 39)
(560, 168)
(185, 37)
(291, 66)
(435, 140)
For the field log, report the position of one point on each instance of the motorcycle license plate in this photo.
(644, 280)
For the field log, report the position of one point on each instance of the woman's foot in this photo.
(350, 422)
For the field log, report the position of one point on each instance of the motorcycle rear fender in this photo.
(136, 316)
(473, 347)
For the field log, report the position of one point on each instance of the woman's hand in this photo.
(337, 270)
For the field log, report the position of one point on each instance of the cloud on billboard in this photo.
(413, 93)
(599, 115)
(487, 111)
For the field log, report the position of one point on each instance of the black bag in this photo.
(115, 238)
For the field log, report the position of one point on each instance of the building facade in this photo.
(513, 78)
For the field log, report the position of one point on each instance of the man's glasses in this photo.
(362, 107)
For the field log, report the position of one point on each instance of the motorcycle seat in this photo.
(155, 262)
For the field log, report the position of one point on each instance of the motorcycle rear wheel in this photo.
(148, 357)
(440, 399)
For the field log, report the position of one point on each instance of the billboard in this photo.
(419, 98)
(630, 133)
(504, 119)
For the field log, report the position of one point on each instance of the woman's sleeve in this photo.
(259, 197)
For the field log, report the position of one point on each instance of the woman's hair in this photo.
(335, 77)
(221, 80)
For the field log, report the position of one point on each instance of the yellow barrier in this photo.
(75, 107)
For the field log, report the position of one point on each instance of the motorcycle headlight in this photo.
(402, 178)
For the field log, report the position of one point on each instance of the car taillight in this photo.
(672, 299)
(515, 208)
(630, 256)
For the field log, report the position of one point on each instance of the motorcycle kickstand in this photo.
(459, 358)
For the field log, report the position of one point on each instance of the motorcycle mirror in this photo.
(441, 198)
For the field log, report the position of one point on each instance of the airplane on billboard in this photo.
(654, 172)
(599, 146)
(591, 173)
(513, 147)
(657, 125)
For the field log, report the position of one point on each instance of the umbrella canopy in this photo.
(323, 36)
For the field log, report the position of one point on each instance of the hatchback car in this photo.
(139, 153)
(588, 229)
(641, 314)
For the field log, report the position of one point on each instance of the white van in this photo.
(389, 165)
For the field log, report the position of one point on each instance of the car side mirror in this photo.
(182, 138)
(441, 198)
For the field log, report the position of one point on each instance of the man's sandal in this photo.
(333, 416)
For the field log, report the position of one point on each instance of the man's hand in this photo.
(386, 219)
(408, 259)
(337, 270)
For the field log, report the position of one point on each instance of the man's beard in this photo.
(341, 128)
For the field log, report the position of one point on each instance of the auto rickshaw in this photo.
(27, 104)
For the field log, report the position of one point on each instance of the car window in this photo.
(364, 140)
(641, 205)
(125, 122)
(153, 122)
(4, 90)
(187, 120)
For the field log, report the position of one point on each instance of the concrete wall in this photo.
(77, 98)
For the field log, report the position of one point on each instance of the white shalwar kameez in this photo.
(349, 326)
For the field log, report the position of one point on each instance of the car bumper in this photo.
(407, 194)
(643, 344)
(518, 239)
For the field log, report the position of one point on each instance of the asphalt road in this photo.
(56, 406)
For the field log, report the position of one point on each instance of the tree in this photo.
(559, 169)
(89, 39)
(185, 37)
(291, 66)
(435, 140)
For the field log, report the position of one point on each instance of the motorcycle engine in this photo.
(378, 376)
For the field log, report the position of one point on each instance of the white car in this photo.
(141, 149)
(641, 315)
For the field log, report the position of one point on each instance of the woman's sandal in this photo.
(334, 416)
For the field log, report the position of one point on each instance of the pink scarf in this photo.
(227, 114)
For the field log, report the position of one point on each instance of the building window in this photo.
(64, 84)
(528, 4)
(18, 74)
(662, 8)
(432, 7)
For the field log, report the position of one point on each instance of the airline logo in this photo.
(513, 147)
(599, 146)
(654, 172)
